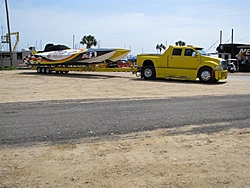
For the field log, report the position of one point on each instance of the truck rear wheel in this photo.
(148, 72)
(205, 75)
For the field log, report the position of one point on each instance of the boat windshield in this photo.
(52, 47)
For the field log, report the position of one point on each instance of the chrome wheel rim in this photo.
(206, 75)
(47, 70)
(43, 70)
(148, 73)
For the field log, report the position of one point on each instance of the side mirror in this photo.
(194, 54)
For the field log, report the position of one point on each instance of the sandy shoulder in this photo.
(28, 86)
(149, 159)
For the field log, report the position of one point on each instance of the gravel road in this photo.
(54, 121)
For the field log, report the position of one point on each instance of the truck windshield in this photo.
(202, 52)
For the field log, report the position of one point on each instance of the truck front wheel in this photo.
(148, 72)
(205, 75)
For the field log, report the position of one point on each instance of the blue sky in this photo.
(138, 25)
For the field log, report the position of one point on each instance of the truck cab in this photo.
(182, 62)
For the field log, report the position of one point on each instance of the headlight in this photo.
(218, 67)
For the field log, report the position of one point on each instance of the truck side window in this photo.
(176, 52)
(188, 52)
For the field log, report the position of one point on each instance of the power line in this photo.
(212, 45)
(228, 40)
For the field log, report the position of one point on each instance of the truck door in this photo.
(175, 60)
(188, 61)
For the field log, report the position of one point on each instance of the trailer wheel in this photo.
(47, 70)
(43, 70)
(38, 70)
(205, 75)
(148, 72)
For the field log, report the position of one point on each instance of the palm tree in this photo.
(157, 47)
(160, 47)
(89, 41)
(180, 43)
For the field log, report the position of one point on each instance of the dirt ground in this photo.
(146, 159)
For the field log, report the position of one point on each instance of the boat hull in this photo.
(119, 54)
(70, 57)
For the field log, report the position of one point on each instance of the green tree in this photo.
(160, 47)
(180, 43)
(88, 41)
(157, 47)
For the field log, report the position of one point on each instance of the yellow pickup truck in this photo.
(182, 62)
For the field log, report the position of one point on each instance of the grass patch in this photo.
(8, 68)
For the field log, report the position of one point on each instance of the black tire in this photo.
(148, 72)
(205, 75)
(215, 81)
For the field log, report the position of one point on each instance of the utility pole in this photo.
(1, 62)
(99, 43)
(8, 24)
(220, 36)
